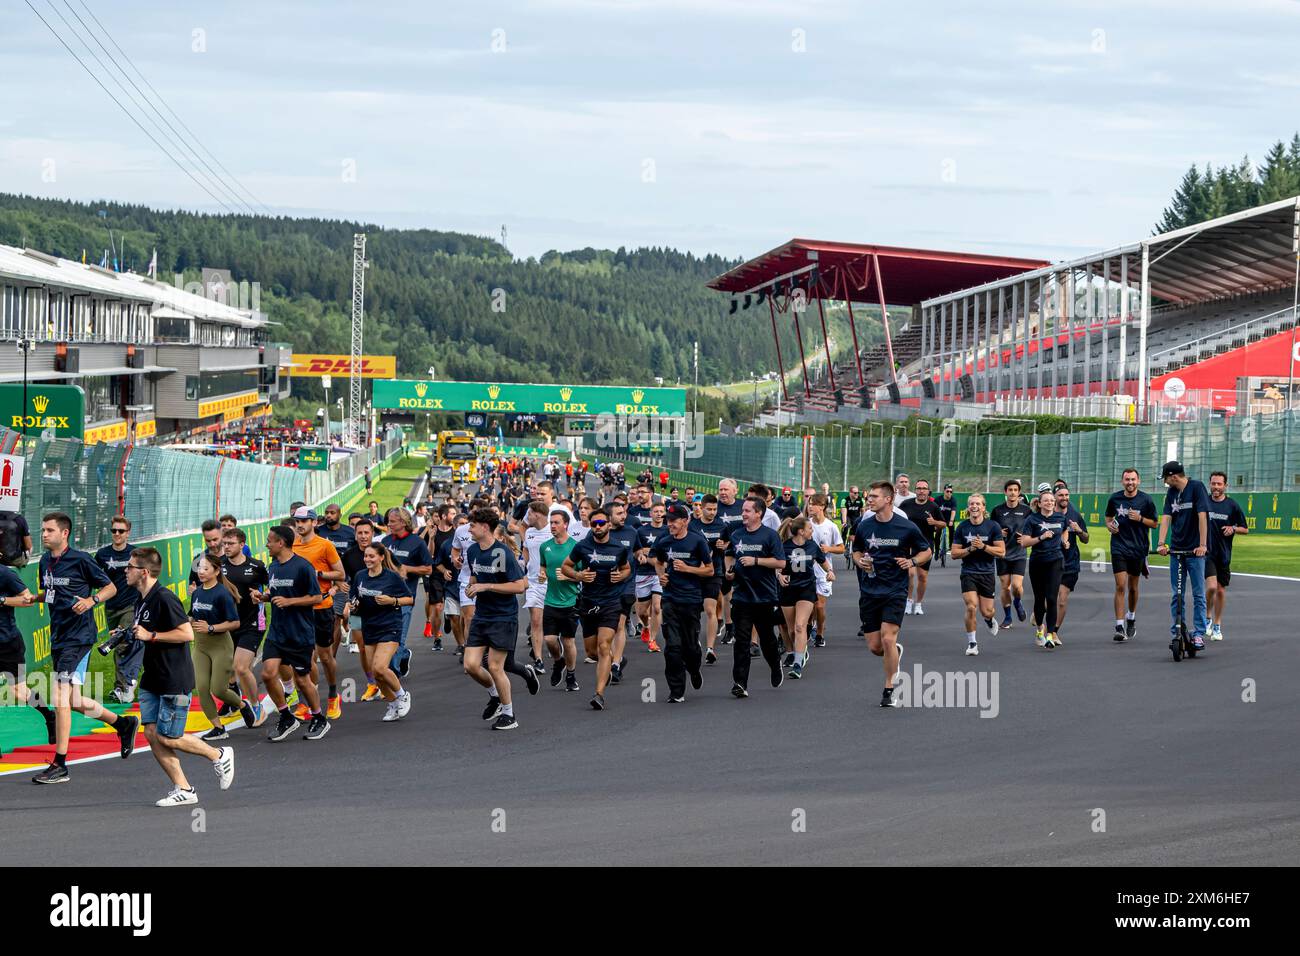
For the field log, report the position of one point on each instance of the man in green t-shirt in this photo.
(559, 614)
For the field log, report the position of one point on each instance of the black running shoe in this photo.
(710, 657)
(218, 732)
(571, 682)
(530, 678)
(248, 714)
(738, 692)
(819, 642)
(126, 728)
(318, 727)
(789, 659)
(287, 724)
(437, 643)
(728, 633)
(677, 700)
(1121, 634)
(225, 710)
(557, 674)
(52, 774)
(697, 680)
(539, 665)
(887, 698)
(1131, 627)
(505, 722)
(778, 675)
(754, 650)
(598, 702)
(492, 709)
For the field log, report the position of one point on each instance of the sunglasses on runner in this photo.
(599, 523)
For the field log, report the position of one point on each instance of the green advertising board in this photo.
(32, 409)
(529, 399)
(313, 458)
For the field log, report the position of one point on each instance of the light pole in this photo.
(428, 416)
(25, 347)
(325, 382)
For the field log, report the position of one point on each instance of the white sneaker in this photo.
(178, 798)
(353, 648)
(972, 650)
(918, 609)
(224, 767)
(391, 713)
(403, 703)
(994, 628)
(908, 608)
(1216, 633)
(898, 672)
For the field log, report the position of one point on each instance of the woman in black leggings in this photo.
(1046, 532)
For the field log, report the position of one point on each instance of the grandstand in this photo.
(1107, 332)
(1201, 317)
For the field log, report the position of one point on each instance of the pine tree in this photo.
(1279, 176)
(1184, 209)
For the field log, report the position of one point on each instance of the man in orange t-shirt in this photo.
(322, 555)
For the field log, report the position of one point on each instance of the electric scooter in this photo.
(1180, 644)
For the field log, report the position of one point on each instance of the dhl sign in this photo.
(219, 406)
(314, 366)
(114, 431)
(146, 429)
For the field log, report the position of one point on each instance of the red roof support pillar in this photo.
(807, 392)
(884, 319)
(857, 355)
(780, 365)
(830, 369)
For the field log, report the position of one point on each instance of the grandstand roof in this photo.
(1245, 252)
(37, 268)
(909, 276)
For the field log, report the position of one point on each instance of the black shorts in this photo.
(435, 588)
(1133, 567)
(873, 611)
(711, 588)
(1069, 579)
(626, 602)
(1011, 566)
(597, 616)
(724, 586)
(323, 623)
(67, 658)
(790, 596)
(983, 583)
(383, 637)
(1221, 572)
(249, 640)
(560, 621)
(296, 657)
(498, 635)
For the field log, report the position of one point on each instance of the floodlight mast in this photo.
(354, 427)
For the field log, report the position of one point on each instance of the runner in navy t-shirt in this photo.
(886, 546)
(1227, 521)
(1130, 516)
(754, 555)
(977, 542)
(495, 577)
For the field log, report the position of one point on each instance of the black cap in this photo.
(1172, 468)
(678, 511)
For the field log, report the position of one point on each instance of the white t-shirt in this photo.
(826, 535)
(461, 540)
(534, 538)
(899, 498)
(771, 519)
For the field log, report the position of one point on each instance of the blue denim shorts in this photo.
(168, 712)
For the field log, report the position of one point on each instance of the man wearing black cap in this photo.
(1185, 522)
(683, 559)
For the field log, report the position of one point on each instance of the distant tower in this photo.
(503, 235)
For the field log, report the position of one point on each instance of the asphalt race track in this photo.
(1184, 770)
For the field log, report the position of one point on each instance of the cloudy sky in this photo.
(729, 126)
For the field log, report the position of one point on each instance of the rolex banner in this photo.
(39, 408)
(530, 399)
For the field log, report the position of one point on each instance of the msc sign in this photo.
(314, 366)
(58, 407)
(586, 400)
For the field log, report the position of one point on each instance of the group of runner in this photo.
(683, 575)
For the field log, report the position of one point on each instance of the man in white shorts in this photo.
(649, 591)
(828, 537)
(537, 531)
